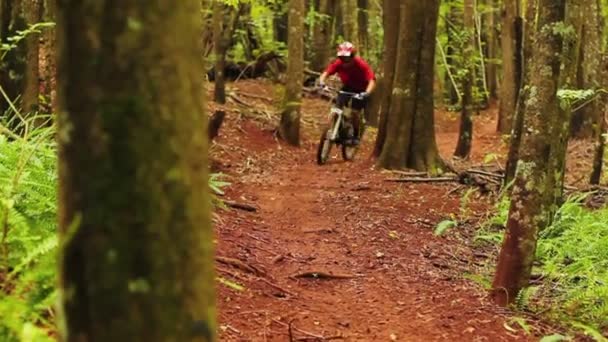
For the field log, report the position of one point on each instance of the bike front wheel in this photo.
(324, 148)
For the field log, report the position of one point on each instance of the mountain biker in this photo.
(356, 76)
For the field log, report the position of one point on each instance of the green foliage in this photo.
(28, 210)
(572, 260)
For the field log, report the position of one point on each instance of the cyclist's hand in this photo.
(323, 87)
(361, 96)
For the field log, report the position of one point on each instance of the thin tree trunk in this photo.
(134, 218)
(518, 120)
(363, 26)
(529, 208)
(289, 128)
(510, 76)
(492, 50)
(32, 12)
(465, 136)
(588, 13)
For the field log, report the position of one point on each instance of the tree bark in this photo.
(601, 128)
(323, 34)
(136, 260)
(518, 120)
(363, 26)
(492, 50)
(391, 34)
(586, 18)
(465, 136)
(289, 128)
(32, 13)
(511, 72)
(530, 199)
(410, 140)
(13, 66)
(349, 21)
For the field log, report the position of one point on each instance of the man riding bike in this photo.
(357, 77)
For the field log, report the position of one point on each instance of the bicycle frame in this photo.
(339, 115)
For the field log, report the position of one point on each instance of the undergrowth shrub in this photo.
(571, 263)
(28, 226)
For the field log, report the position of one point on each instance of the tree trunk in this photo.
(529, 32)
(529, 209)
(465, 136)
(601, 128)
(410, 140)
(220, 43)
(349, 21)
(587, 21)
(49, 71)
(32, 13)
(363, 26)
(391, 34)
(511, 75)
(323, 33)
(280, 21)
(289, 128)
(453, 27)
(491, 50)
(134, 215)
(12, 66)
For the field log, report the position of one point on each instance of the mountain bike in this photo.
(340, 132)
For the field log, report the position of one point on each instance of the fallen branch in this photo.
(239, 264)
(240, 206)
(322, 275)
(423, 180)
(290, 326)
(486, 173)
(254, 96)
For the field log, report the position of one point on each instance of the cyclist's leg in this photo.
(357, 107)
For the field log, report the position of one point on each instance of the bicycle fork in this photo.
(335, 131)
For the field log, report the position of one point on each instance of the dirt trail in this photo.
(395, 281)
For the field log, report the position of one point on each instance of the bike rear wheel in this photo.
(324, 148)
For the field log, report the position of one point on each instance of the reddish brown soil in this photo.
(404, 283)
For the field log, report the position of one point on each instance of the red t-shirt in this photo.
(355, 76)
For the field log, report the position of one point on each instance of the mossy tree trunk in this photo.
(136, 260)
(511, 71)
(465, 135)
(389, 60)
(530, 199)
(289, 128)
(410, 139)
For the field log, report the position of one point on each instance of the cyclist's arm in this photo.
(323, 77)
(371, 86)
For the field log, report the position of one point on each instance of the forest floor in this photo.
(382, 275)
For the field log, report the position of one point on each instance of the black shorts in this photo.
(343, 99)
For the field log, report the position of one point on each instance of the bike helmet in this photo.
(346, 49)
